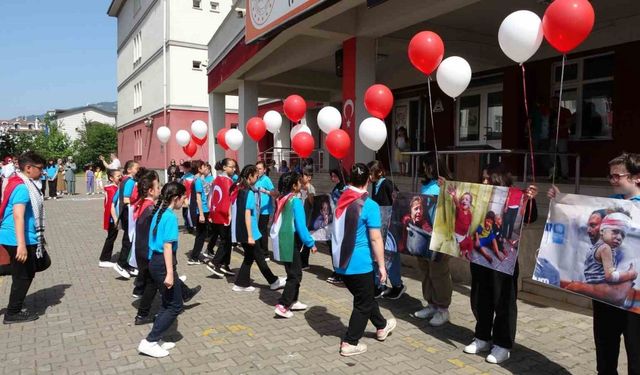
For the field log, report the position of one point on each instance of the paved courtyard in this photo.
(87, 322)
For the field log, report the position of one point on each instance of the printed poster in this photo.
(410, 225)
(591, 246)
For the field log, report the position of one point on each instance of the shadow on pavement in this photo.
(323, 322)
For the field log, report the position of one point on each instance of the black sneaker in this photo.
(191, 293)
(215, 269)
(20, 317)
(335, 279)
(226, 270)
(395, 292)
(379, 292)
(142, 320)
(193, 262)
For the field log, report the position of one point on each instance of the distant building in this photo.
(72, 120)
(20, 124)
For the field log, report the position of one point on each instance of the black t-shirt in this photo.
(383, 192)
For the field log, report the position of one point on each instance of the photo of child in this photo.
(320, 218)
(411, 224)
(479, 223)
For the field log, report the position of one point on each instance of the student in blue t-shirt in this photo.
(201, 210)
(18, 232)
(265, 186)
(610, 322)
(51, 176)
(358, 275)
(163, 244)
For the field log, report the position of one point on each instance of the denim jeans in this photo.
(171, 298)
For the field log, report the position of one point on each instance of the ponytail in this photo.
(169, 192)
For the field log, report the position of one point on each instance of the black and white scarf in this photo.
(37, 204)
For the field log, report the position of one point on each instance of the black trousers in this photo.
(171, 298)
(365, 306)
(201, 236)
(294, 278)
(123, 259)
(304, 256)
(107, 248)
(609, 323)
(493, 302)
(509, 222)
(22, 275)
(44, 187)
(223, 255)
(253, 253)
(150, 288)
(52, 189)
(185, 216)
(263, 226)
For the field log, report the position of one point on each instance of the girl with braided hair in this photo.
(163, 244)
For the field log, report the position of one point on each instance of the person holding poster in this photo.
(353, 252)
(610, 322)
(336, 192)
(494, 293)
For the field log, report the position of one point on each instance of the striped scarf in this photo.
(37, 205)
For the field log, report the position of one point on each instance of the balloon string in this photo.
(435, 145)
(526, 111)
(555, 152)
(344, 180)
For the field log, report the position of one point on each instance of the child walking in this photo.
(163, 244)
(90, 180)
(245, 230)
(124, 199)
(110, 218)
(288, 233)
(198, 210)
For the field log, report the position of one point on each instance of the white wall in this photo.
(188, 24)
(188, 85)
(151, 79)
(73, 122)
(127, 18)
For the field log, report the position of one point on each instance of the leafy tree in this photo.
(7, 144)
(95, 139)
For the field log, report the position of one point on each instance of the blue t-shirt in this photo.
(128, 187)
(620, 196)
(266, 203)
(251, 206)
(167, 232)
(300, 223)
(51, 171)
(199, 186)
(486, 235)
(20, 195)
(362, 259)
(430, 188)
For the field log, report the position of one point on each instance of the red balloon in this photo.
(256, 128)
(295, 107)
(303, 144)
(338, 143)
(220, 138)
(190, 149)
(378, 100)
(199, 141)
(567, 23)
(426, 51)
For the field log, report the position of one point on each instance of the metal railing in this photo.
(415, 156)
(278, 154)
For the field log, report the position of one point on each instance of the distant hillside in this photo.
(105, 106)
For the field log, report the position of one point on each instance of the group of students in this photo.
(234, 209)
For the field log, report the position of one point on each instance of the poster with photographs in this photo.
(320, 218)
(411, 224)
(591, 246)
(479, 223)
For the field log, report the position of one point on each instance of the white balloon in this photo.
(273, 120)
(183, 137)
(453, 76)
(373, 133)
(233, 138)
(299, 128)
(199, 129)
(520, 35)
(329, 118)
(164, 134)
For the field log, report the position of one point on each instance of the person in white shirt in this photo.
(115, 162)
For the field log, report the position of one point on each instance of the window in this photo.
(136, 6)
(196, 65)
(137, 49)
(588, 95)
(215, 6)
(479, 117)
(196, 4)
(137, 142)
(137, 97)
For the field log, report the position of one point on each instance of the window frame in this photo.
(198, 6)
(217, 7)
(484, 92)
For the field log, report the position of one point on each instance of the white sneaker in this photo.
(426, 313)
(136, 296)
(242, 289)
(152, 349)
(477, 346)
(298, 306)
(279, 284)
(166, 345)
(382, 334)
(121, 271)
(439, 318)
(498, 355)
(348, 350)
(106, 264)
(283, 312)
(183, 278)
(133, 272)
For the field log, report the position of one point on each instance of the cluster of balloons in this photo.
(378, 101)
(189, 142)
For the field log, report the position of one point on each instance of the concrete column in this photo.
(247, 108)
(365, 77)
(216, 122)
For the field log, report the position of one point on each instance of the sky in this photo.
(55, 54)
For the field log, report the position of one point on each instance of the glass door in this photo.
(479, 117)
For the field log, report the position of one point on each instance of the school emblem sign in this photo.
(264, 16)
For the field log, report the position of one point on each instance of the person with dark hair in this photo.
(245, 221)
(384, 192)
(493, 293)
(163, 245)
(267, 191)
(90, 176)
(125, 197)
(110, 218)
(52, 174)
(353, 259)
(220, 216)
(337, 177)
(610, 322)
(198, 211)
(187, 179)
(173, 172)
(307, 192)
(22, 232)
(283, 167)
(70, 175)
(289, 232)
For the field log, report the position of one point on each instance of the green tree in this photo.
(95, 139)
(52, 143)
(7, 144)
